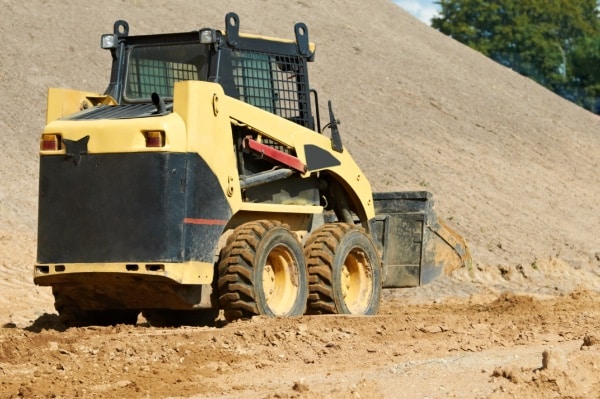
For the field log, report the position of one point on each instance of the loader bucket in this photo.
(417, 247)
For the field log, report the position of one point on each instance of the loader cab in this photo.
(267, 73)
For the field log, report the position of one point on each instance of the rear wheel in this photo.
(344, 271)
(72, 315)
(262, 272)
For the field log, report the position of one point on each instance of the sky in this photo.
(421, 9)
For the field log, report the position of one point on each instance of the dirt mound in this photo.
(509, 304)
(511, 165)
(566, 375)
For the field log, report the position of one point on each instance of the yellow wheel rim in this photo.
(355, 281)
(280, 280)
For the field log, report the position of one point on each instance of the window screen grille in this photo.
(156, 76)
(155, 69)
(273, 83)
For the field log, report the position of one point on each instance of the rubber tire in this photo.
(176, 318)
(72, 315)
(344, 271)
(259, 256)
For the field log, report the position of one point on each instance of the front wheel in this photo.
(262, 271)
(344, 271)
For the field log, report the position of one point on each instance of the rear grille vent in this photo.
(116, 112)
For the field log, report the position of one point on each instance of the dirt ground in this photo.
(512, 167)
(486, 346)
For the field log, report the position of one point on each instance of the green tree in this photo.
(554, 42)
(585, 63)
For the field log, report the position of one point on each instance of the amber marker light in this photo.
(155, 138)
(50, 142)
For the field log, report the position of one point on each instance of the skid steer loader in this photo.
(202, 180)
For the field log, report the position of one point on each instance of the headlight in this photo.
(109, 41)
(208, 36)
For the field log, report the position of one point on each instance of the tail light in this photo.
(50, 142)
(155, 138)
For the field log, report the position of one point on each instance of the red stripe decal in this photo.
(205, 221)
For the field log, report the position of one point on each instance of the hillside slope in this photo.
(513, 167)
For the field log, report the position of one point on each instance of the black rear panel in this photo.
(128, 208)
